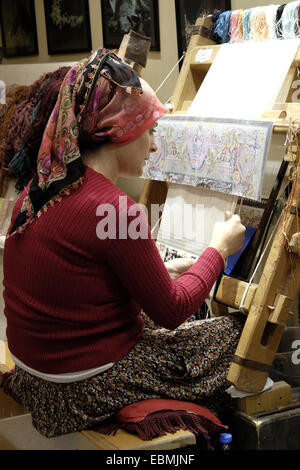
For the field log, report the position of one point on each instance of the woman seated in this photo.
(79, 291)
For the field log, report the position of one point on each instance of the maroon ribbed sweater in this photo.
(73, 301)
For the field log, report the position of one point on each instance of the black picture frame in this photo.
(187, 12)
(118, 19)
(68, 26)
(18, 28)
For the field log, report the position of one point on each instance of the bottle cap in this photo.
(225, 438)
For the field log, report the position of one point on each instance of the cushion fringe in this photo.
(160, 423)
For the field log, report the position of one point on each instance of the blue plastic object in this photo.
(225, 438)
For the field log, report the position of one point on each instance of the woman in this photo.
(74, 292)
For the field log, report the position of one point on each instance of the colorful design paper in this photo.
(224, 155)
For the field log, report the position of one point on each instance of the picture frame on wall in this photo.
(187, 12)
(18, 28)
(121, 16)
(68, 26)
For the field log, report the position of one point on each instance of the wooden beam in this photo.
(231, 290)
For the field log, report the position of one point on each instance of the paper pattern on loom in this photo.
(189, 216)
(244, 79)
(224, 155)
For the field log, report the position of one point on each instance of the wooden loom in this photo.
(268, 303)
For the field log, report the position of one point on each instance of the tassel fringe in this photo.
(160, 423)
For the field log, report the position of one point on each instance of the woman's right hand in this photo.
(228, 237)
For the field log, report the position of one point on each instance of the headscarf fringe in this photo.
(56, 199)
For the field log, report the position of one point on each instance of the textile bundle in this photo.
(22, 122)
(257, 24)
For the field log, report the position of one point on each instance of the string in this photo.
(171, 71)
(156, 226)
(291, 138)
(241, 205)
(241, 307)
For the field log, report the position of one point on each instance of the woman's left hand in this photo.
(177, 266)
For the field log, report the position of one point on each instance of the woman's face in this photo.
(131, 157)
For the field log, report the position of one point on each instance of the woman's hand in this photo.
(228, 237)
(177, 266)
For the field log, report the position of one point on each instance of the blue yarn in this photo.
(212, 32)
(34, 112)
(223, 24)
(17, 163)
(246, 24)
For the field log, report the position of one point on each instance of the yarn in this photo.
(271, 12)
(259, 27)
(278, 26)
(257, 24)
(222, 26)
(234, 30)
(15, 94)
(212, 32)
(238, 34)
(24, 123)
(246, 23)
(289, 20)
(19, 95)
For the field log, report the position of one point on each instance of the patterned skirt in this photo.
(189, 363)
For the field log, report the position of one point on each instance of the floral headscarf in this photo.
(101, 99)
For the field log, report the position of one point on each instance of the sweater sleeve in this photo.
(138, 264)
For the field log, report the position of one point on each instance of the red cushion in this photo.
(138, 411)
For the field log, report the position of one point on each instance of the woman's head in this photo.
(119, 115)
(102, 100)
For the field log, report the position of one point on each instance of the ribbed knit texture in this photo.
(73, 301)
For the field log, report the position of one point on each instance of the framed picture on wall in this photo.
(68, 26)
(121, 16)
(187, 12)
(18, 28)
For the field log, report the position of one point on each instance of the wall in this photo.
(244, 4)
(158, 66)
(159, 63)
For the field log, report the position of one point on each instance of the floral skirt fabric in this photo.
(189, 363)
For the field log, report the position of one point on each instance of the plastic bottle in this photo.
(225, 441)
